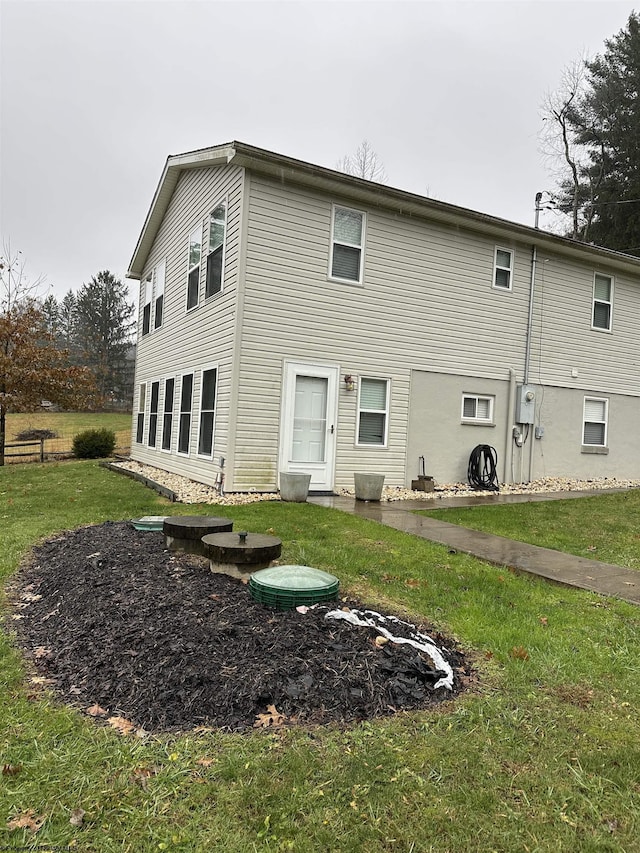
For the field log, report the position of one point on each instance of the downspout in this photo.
(527, 352)
(508, 438)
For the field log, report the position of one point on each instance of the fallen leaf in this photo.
(519, 652)
(412, 582)
(141, 775)
(42, 652)
(77, 816)
(206, 762)
(96, 711)
(27, 820)
(121, 724)
(11, 769)
(380, 640)
(488, 654)
(271, 718)
(543, 620)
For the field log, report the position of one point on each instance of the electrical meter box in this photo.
(525, 404)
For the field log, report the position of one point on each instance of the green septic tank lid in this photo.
(286, 587)
(149, 522)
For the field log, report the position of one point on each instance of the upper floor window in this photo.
(147, 293)
(193, 280)
(347, 244)
(373, 411)
(159, 276)
(503, 268)
(602, 302)
(478, 409)
(594, 432)
(215, 258)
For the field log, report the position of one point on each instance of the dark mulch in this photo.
(111, 618)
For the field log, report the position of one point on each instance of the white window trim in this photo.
(150, 385)
(146, 300)
(224, 201)
(173, 414)
(190, 268)
(465, 419)
(204, 370)
(595, 328)
(590, 421)
(384, 411)
(142, 397)
(159, 281)
(333, 242)
(497, 266)
(179, 452)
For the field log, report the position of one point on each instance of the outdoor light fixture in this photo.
(349, 383)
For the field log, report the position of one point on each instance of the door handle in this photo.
(331, 429)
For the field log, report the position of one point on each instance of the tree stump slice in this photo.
(185, 532)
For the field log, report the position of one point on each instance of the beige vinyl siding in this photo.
(204, 337)
(418, 306)
(563, 339)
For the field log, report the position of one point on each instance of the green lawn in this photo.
(542, 755)
(605, 527)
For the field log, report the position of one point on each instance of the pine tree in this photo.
(605, 120)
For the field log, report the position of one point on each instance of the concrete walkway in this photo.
(592, 575)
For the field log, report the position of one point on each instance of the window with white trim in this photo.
(147, 293)
(159, 276)
(207, 412)
(186, 401)
(503, 268)
(153, 413)
(142, 401)
(602, 302)
(477, 409)
(373, 411)
(193, 278)
(167, 417)
(594, 432)
(347, 243)
(215, 257)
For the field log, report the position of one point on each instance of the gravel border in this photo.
(189, 492)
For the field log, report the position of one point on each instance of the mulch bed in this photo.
(121, 627)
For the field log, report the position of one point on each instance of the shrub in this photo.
(94, 443)
(35, 434)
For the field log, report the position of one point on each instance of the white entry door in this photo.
(308, 430)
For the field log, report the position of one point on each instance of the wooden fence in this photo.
(39, 452)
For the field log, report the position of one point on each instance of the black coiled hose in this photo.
(482, 471)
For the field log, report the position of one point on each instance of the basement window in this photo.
(477, 409)
(594, 430)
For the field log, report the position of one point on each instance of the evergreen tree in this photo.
(102, 333)
(605, 120)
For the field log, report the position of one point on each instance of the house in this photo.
(294, 318)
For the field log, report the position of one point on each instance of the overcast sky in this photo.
(95, 94)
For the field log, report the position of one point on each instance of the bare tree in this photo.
(363, 163)
(568, 158)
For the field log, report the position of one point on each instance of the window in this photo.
(477, 408)
(142, 399)
(595, 422)
(602, 302)
(153, 413)
(186, 396)
(215, 258)
(207, 412)
(372, 415)
(347, 243)
(503, 267)
(147, 290)
(193, 281)
(159, 275)
(167, 418)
